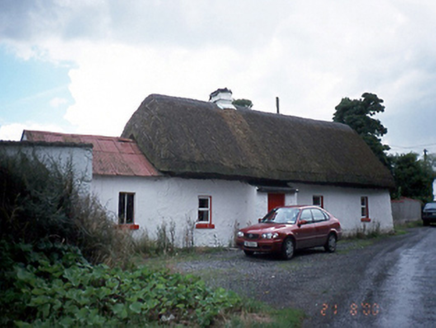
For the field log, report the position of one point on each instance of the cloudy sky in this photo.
(84, 66)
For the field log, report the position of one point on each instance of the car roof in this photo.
(299, 206)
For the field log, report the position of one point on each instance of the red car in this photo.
(286, 229)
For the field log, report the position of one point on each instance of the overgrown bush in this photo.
(38, 203)
(55, 286)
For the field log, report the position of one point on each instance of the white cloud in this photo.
(14, 131)
(310, 54)
(111, 81)
(56, 102)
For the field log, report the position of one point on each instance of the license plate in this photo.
(250, 244)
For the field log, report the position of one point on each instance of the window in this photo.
(282, 215)
(306, 215)
(204, 219)
(364, 213)
(126, 208)
(318, 215)
(203, 209)
(318, 201)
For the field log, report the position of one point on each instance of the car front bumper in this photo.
(429, 218)
(260, 245)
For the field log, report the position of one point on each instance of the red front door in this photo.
(275, 200)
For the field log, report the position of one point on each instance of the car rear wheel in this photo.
(288, 248)
(425, 223)
(330, 245)
(248, 253)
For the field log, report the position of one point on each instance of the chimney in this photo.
(223, 98)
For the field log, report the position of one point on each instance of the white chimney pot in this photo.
(223, 98)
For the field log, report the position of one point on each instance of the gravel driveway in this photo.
(309, 280)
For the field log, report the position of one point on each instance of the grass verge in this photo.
(401, 229)
(256, 314)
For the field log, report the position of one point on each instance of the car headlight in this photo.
(240, 234)
(270, 235)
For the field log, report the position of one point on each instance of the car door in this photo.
(322, 226)
(305, 234)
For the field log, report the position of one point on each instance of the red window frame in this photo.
(204, 224)
(126, 207)
(364, 209)
(321, 200)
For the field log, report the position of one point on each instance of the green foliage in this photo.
(413, 177)
(55, 286)
(357, 114)
(243, 103)
(35, 201)
(38, 203)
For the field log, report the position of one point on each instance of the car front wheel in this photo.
(330, 245)
(288, 248)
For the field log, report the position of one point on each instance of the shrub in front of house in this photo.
(37, 203)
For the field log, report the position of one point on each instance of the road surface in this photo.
(398, 288)
(389, 283)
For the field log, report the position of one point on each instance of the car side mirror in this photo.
(301, 222)
(259, 220)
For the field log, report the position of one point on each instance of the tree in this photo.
(413, 177)
(357, 114)
(243, 103)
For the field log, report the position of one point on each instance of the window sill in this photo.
(365, 220)
(204, 226)
(128, 226)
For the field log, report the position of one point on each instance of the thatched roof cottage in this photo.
(217, 166)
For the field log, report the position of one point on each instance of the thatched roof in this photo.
(186, 137)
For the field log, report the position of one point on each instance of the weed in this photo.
(188, 236)
(143, 244)
(165, 240)
(256, 314)
(401, 229)
(364, 232)
(232, 241)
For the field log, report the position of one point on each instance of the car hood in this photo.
(264, 227)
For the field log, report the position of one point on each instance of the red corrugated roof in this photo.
(111, 155)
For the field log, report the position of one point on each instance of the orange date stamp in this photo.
(354, 309)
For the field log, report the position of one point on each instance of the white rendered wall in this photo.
(164, 199)
(344, 203)
(234, 205)
(291, 199)
(79, 157)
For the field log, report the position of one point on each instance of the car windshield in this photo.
(282, 215)
(430, 206)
